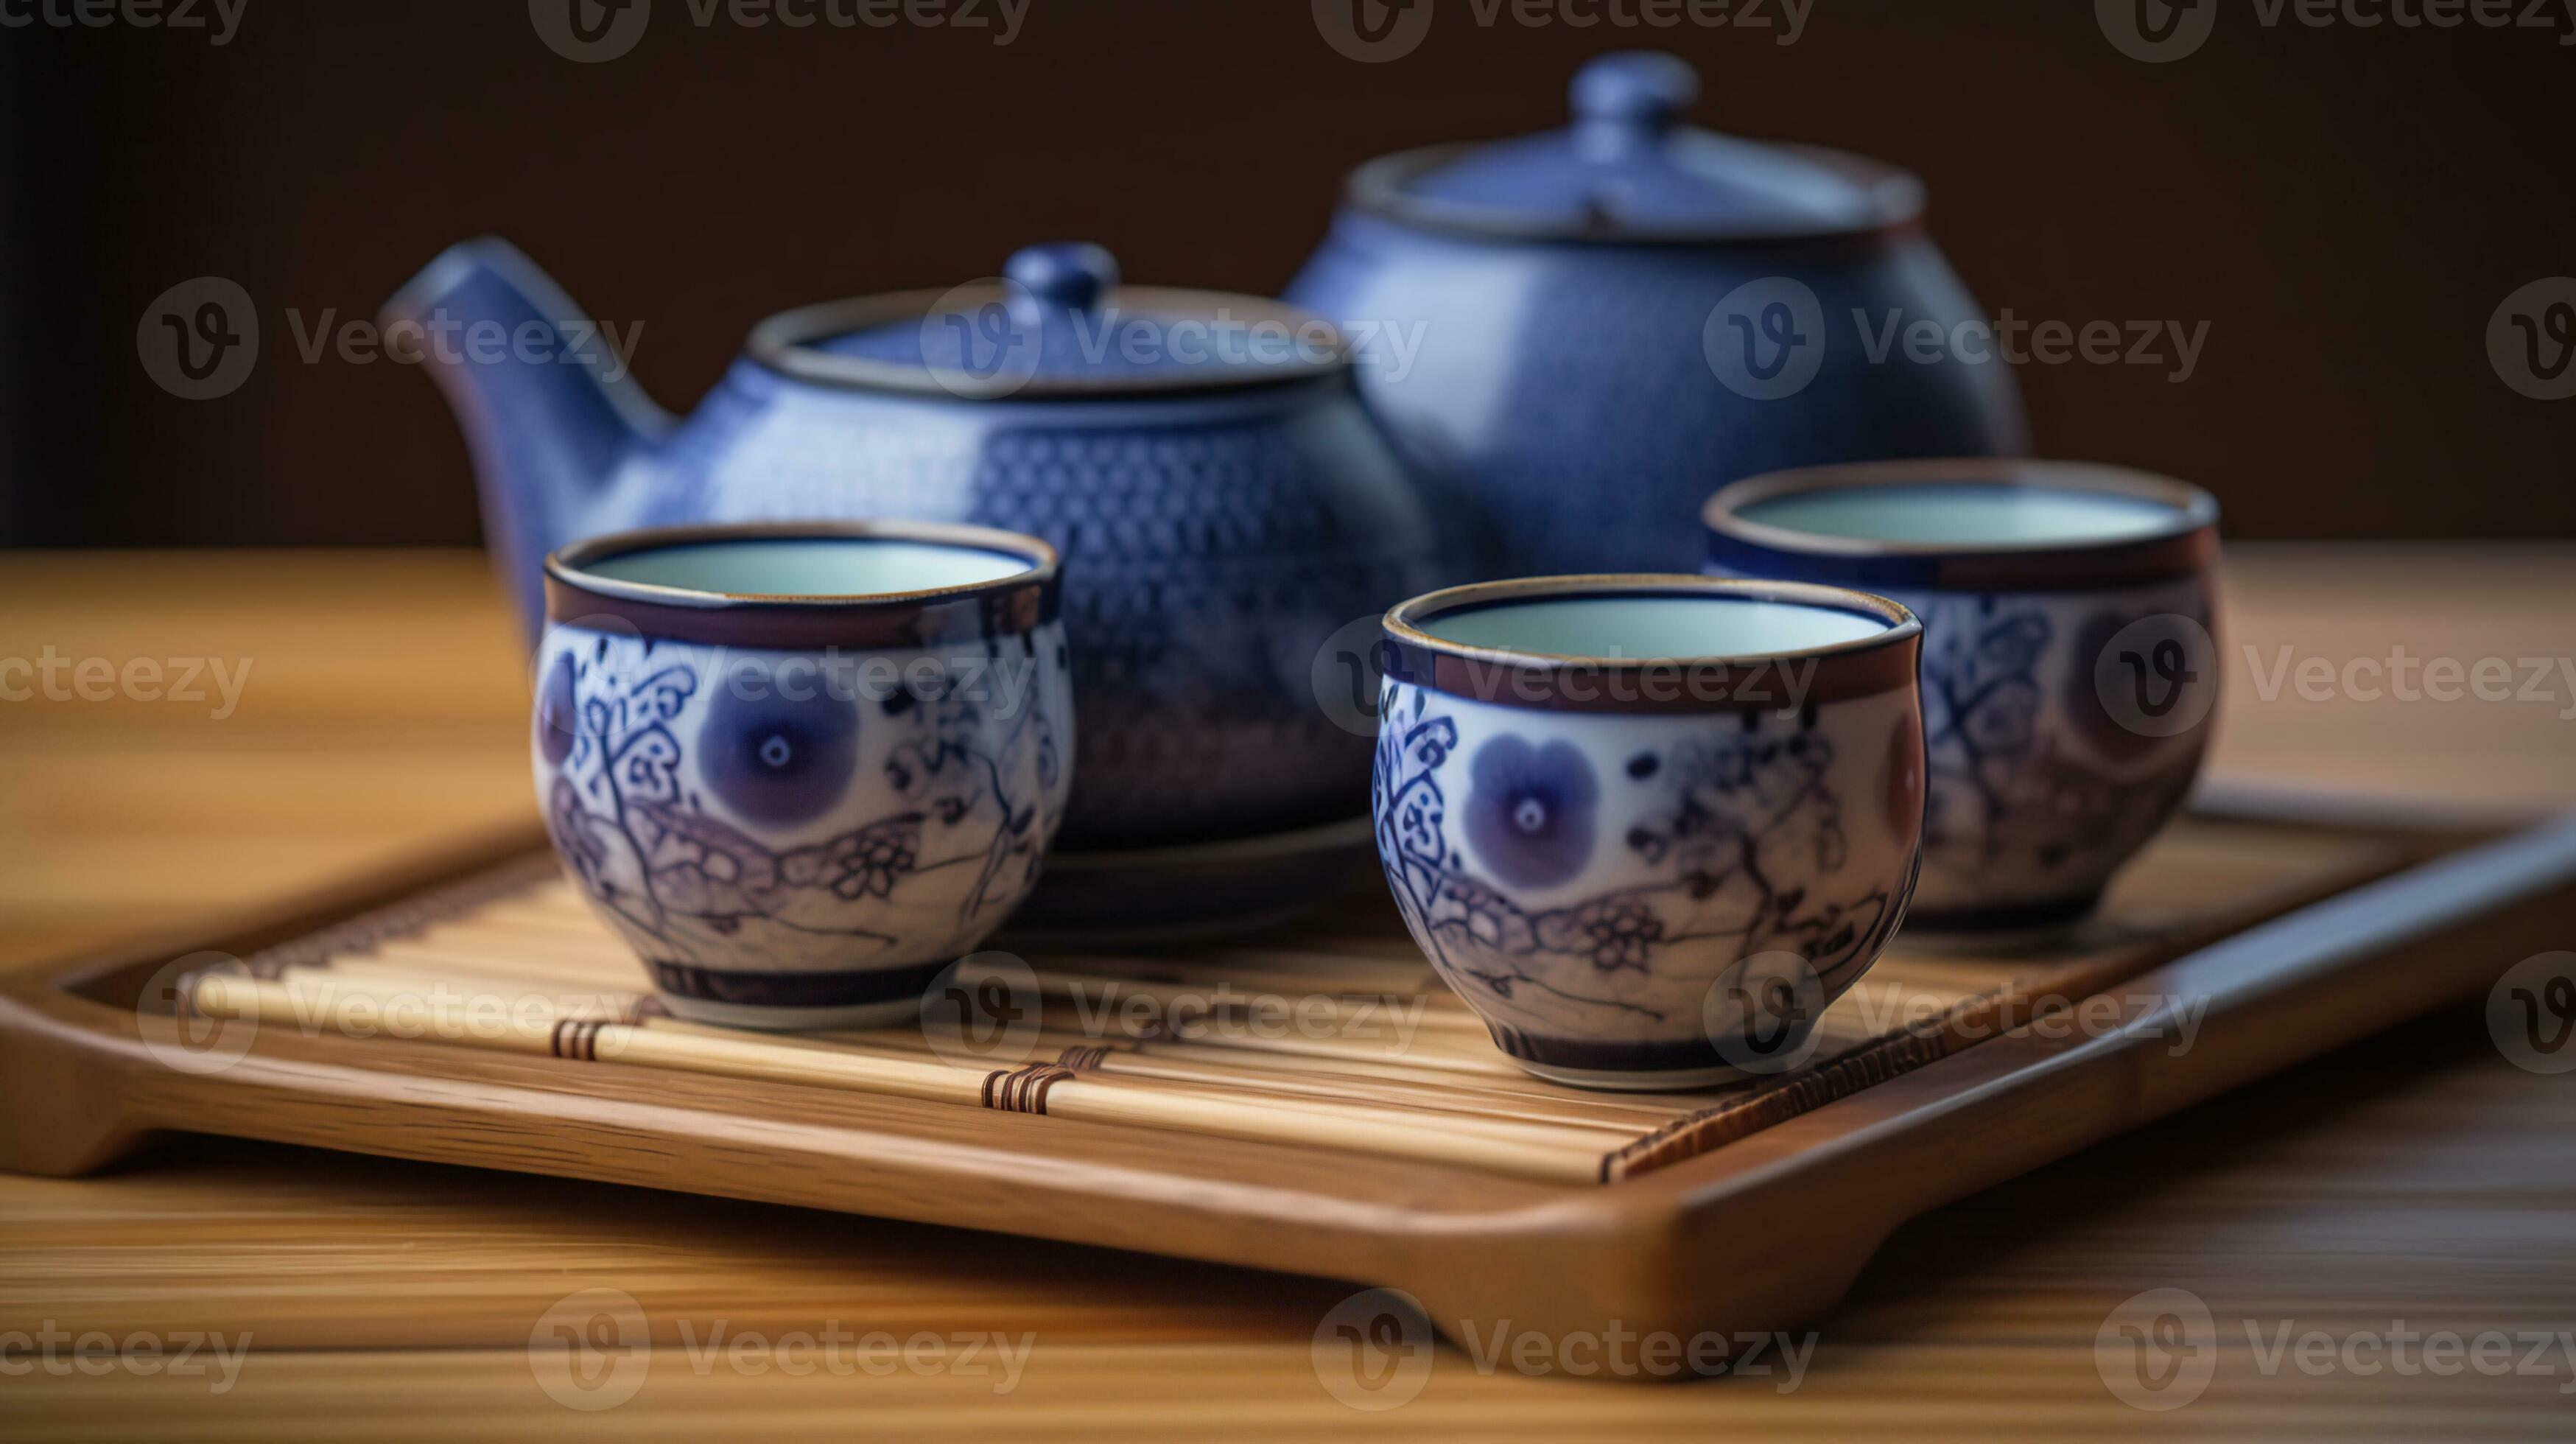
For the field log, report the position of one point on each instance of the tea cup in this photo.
(800, 768)
(2069, 667)
(1648, 826)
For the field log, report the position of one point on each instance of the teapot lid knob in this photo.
(1635, 89)
(1072, 275)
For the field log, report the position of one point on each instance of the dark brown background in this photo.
(2345, 207)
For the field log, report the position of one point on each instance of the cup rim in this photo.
(998, 606)
(2182, 545)
(1864, 666)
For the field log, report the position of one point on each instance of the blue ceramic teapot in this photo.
(1222, 500)
(1579, 335)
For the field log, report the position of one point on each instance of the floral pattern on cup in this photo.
(1529, 812)
(1723, 838)
(828, 836)
(2035, 796)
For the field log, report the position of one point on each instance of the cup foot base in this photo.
(791, 1020)
(2018, 926)
(1620, 1080)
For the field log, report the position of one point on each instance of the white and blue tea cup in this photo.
(1648, 826)
(2069, 667)
(800, 768)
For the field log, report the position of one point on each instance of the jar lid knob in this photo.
(1641, 90)
(1069, 275)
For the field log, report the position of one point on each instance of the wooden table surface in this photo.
(2412, 1185)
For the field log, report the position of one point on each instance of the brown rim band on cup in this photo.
(1007, 606)
(2184, 546)
(1763, 682)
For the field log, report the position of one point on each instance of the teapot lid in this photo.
(1057, 323)
(1628, 169)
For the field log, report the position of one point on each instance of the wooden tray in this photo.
(2245, 940)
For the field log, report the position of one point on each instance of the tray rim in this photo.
(1639, 1253)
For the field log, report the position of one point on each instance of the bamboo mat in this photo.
(1331, 1034)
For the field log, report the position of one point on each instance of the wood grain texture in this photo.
(2417, 1176)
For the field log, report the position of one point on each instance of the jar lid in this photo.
(1628, 169)
(1057, 323)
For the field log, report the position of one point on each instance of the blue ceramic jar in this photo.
(1577, 335)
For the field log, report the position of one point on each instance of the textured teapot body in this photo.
(1577, 395)
(1214, 536)
(1212, 543)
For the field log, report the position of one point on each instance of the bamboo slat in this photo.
(1384, 1060)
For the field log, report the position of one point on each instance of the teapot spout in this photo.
(549, 410)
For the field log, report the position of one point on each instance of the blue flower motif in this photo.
(778, 759)
(1529, 815)
(558, 715)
